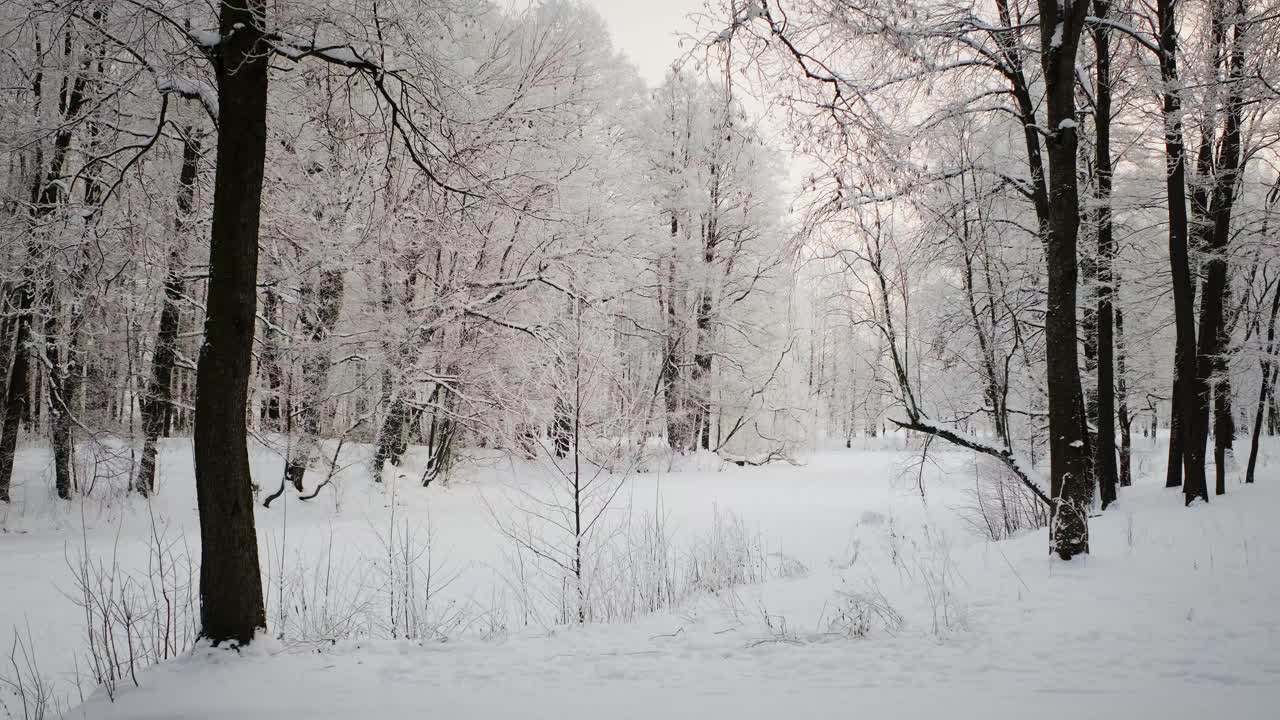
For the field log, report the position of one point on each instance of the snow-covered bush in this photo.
(859, 613)
(26, 693)
(132, 620)
(728, 554)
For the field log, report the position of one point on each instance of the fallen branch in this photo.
(1004, 456)
(742, 461)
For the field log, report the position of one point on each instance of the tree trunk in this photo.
(1265, 385)
(701, 378)
(994, 391)
(16, 399)
(47, 194)
(1104, 464)
(272, 415)
(679, 436)
(1273, 405)
(59, 391)
(391, 442)
(1182, 424)
(1173, 467)
(441, 434)
(1212, 372)
(1125, 471)
(157, 406)
(562, 427)
(1266, 381)
(1070, 484)
(8, 324)
(231, 607)
(1012, 48)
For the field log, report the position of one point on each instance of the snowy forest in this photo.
(360, 357)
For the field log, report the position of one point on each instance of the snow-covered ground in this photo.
(866, 601)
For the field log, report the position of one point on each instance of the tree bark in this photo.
(272, 409)
(1266, 381)
(1265, 386)
(47, 194)
(1125, 470)
(391, 442)
(679, 435)
(231, 606)
(1212, 376)
(1182, 445)
(1104, 464)
(1070, 485)
(16, 399)
(8, 324)
(60, 389)
(157, 406)
(1011, 48)
(995, 389)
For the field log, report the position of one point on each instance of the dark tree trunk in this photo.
(1070, 484)
(562, 427)
(47, 194)
(1125, 470)
(231, 607)
(1212, 375)
(33, 386)
(8, 324)
(1266, 381)
(269, 364)
(58, 376)
(1104, 464)
(1182, 445)
(16, 400)
(994, 391)
(679, 435)
(1273, 405)
(701, 379)
(157, 405)
(1265, 384)
(392, 443)
(440, 435)
(1173, 467)
(1012, 48)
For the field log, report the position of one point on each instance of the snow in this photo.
(191, 89)
(1172, 615)
(1067, 124)
(207, 39)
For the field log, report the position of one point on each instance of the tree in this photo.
(947, 42)
(1061, 25)
(1104, 463)
(156, 406)
(231, 605)
(1186, 463)
(1215, 237)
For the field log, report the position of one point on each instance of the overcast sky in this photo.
(647, 31)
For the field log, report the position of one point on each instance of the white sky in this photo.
(648, 31)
